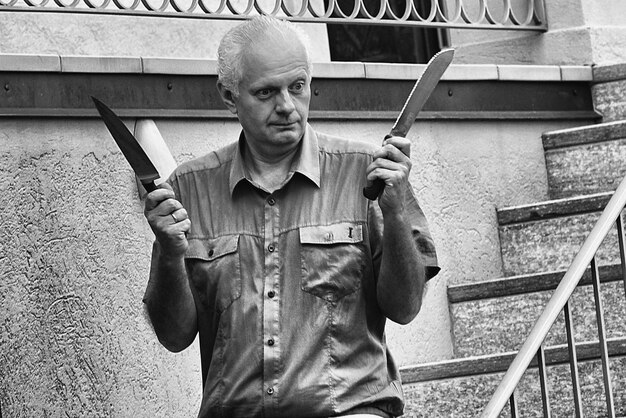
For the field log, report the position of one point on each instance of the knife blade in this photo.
(126, 141)
(421, 91)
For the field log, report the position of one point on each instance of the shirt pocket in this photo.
(215, 270)
(333, 260)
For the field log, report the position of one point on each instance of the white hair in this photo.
(234, 43)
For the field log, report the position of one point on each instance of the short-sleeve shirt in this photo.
(285, 283)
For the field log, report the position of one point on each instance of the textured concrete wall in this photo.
(75, 251)
(80, 34)
(74, 256)
(580, 33)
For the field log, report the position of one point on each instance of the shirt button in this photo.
(271, 294)
(271, 201)
(271, 248)
(270, 342)
(270, 391)
(211, 252)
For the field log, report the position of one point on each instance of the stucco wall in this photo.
(579, 32)
(119, 35)
(75, 251)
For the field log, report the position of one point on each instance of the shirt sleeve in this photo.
(419, 227)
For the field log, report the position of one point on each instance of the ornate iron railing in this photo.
(470, 14)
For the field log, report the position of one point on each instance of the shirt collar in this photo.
(306, 160)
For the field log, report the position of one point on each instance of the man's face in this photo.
(274, 94)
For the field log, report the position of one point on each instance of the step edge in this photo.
(554, 208)
(498, 363)
(524, 284)
(584, 135)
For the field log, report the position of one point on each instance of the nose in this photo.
(284, 102)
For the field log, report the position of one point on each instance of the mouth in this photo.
(284, 125)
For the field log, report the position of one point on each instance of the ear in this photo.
(227, 97)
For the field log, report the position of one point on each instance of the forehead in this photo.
(273, 59)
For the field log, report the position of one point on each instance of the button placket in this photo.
(271, 304)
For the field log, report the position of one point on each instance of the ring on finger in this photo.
(174, 217)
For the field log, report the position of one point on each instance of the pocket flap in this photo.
(344, 232)
(212, 248)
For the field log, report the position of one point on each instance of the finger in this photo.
(391, 152)
(166, 207)
(175, 228)
(403, 167)
(165, 186)
(403, 144)
(389, 176)
(402, 164)
(154, 198)
(184, 225)
(179, 215)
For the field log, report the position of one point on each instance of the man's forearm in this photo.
(169, 302)
(402, 276)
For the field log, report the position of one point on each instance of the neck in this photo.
(269, 170)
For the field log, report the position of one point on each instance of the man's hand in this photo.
(168, 220)
(392, 164)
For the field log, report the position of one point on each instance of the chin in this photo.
(289, 135)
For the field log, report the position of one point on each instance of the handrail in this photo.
(557, 302)
(529, 15)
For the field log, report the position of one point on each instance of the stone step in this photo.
(498, 325)
(546, 236)
(467, 396)
(585, 160)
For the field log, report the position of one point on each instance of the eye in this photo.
(264, 93)
(298, 86)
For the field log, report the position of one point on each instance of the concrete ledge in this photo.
(385, 71)
(576, 73)
(529, 72)
(339, 70)
(382, 71)
(472, 72)
(156, 65)
(25, 62)
(608, 73)
(84, 64)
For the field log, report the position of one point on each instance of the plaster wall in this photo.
(579, 33)
(607, 29)
(119, 35)
(75, 248)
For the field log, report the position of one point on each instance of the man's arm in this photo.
(168, 297)
(402, 275)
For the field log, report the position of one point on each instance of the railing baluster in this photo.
(543, 379)
(622, 248)
(573, 360)
(462, 17)
(604, 355)
(513, 405)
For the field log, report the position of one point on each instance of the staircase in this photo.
(492, 318)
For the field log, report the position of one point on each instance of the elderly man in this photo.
(268, 250)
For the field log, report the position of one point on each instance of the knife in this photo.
(135, 155)
(421, 91)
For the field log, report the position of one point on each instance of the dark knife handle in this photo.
(150, 187)
(372, 192)
(375, 189)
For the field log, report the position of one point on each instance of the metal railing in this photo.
(533, 346)
(469, 14)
